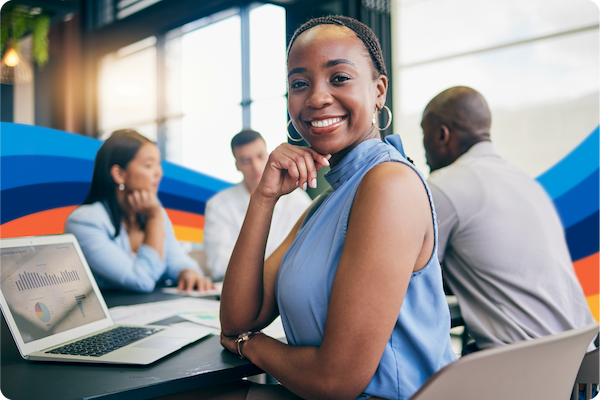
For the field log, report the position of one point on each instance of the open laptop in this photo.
(50, 300)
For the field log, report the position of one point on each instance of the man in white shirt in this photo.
(501, 242)
(225, 212)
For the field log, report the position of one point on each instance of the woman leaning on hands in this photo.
(124, 232)
(357, 282)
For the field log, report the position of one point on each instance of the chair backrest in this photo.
(543, 368)
(588, 375)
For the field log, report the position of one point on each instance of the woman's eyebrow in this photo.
(328, 64)
(297, 71)
(333, 63)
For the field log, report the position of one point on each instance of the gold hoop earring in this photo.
(288, 133)
(389, 118)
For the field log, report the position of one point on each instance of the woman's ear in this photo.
(381, 90)
(118, 174)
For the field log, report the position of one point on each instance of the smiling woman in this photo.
(357, 281)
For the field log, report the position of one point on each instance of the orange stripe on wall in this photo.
(184, 218)
(49, 222)
(593, 302)
(588, 275)
(52, 222)
(187, 234)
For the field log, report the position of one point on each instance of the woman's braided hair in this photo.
(363, 32)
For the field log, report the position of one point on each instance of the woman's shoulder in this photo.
(391, 173)
(89, 213)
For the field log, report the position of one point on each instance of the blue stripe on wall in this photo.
(579, 202)
(18, 139)
(182, 203)
(28, 170)
(21, 201)
(574, 168)
(583, 237)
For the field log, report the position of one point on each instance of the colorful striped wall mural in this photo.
(573, 184)
(46, 173)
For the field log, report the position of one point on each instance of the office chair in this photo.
(543, 368)
(588, 376)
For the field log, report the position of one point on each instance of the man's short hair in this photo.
(244, 137)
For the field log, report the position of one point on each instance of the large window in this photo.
(127, 89)
(219, 75)
(535, 61)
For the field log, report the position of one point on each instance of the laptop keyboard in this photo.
(105, 342)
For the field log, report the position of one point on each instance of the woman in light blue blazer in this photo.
(122, 228)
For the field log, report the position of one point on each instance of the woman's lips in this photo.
(326, 125)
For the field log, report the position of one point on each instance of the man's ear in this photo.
(444, 135)
(117, 174)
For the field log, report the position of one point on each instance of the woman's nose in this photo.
(319, 97)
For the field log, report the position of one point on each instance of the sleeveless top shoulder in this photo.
(420, 343)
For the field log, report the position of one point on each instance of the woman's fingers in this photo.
(190, 279)
(143, 201)
(292, 166)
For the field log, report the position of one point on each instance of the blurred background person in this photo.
(501, 242)
(124, 232)
(225, 212)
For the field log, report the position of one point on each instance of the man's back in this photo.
(503, 250)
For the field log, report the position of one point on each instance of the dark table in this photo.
(200, 364)
(203, 363)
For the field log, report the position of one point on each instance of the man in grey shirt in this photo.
(501, 242)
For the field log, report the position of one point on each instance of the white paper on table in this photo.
(143, 314)
(211, 319)
(188, 324)
(203, 317)
(195, 293)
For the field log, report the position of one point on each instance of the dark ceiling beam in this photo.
(157, 18)
(64, 6)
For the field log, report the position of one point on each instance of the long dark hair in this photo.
(119, 149)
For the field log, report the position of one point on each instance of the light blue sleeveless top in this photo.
(420, 342)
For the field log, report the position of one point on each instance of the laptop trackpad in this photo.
(162, 343)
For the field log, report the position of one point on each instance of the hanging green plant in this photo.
(39, 48)
(18, 20)
(5, 23)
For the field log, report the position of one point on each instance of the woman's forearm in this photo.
(243, 290)
(305, 370)
(155, 233)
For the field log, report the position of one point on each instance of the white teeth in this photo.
(326, 122)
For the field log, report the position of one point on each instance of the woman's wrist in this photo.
(243, 340)
(262, 201)
(155, 215)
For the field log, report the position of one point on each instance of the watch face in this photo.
(244, 336)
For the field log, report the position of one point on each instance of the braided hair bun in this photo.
(363, 32)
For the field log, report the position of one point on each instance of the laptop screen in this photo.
(47, 290)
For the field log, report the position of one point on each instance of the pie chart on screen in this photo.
(42, 312)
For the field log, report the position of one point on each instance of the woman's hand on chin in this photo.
(290, 167)
(145, 202)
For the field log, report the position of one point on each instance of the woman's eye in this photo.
(341, 78)
(297, 84)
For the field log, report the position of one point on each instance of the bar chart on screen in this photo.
(33, 280)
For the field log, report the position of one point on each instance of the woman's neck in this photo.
(128, 215)
(371, 134)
